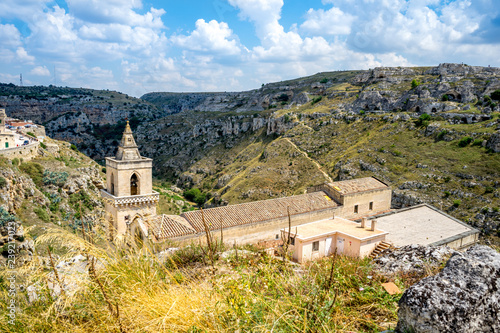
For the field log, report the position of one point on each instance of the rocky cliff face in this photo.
(59, 189)
(241, 146)
(463, 297)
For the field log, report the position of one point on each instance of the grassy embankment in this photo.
(247, 290)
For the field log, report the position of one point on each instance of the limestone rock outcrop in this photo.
(494, 142)
(463, 297)
(412, 259)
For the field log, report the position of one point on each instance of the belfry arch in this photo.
(134, 184)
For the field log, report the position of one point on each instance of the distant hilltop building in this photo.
(14, 143)
(342, 217)
(7, 138)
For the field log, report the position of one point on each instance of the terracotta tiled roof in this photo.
(170, 226)
(258, 211)
(357, 185)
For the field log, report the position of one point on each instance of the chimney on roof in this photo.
(363, 222)
(374, 223)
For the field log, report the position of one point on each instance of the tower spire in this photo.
(127, 150)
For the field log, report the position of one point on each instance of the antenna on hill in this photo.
(55, 82)
(21, 79)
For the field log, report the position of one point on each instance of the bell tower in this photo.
(129, 196)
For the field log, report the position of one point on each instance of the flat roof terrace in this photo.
(422, 224)
(329, 226)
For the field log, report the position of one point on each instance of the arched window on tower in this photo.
(112, 189)
(134, 185)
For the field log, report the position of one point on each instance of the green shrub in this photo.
(103, 170)
(283, 98)
(447, 194)
(191, 194)
(423, 120)
(316, 100)
(73, 147)
(441, 135)
(496, 95)
(3, 182)
(81, 200)
(195, 195)
(361, 112)
(34, 170)
(42, 214)
(43, 145)
(324, 80)
(489, 189)
(456, 203)
(6, 217)
(15, 161)
(415, 83)
(487, 99)
(200, 199)
(465, 141)
(477, 142)
(54, 177)
(445, 98)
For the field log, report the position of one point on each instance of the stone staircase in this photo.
(380, 248)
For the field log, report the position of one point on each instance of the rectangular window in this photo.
(277, 236)
(355, 209)
(292, 240)
(316, 246)
(371, 205)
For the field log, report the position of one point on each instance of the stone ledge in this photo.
(130, 200)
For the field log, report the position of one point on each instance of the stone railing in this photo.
(131, 199)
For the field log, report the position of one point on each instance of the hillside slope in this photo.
(57, 190)
(283, 137)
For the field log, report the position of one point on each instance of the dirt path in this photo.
(310, 159)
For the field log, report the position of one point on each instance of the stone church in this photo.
(130, 204)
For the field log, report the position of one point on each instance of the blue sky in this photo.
(137, 46)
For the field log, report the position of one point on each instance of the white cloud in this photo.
(24, 9)
(9, 36)
(116, 11)
(23, 56)
(40, 71)
(265, 14)
(330, 22)
(210, 36)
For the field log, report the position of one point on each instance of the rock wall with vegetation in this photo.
(431, 132)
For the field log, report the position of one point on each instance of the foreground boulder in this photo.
(463, 297)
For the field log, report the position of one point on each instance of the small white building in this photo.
(319, 239)
(7, 138)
